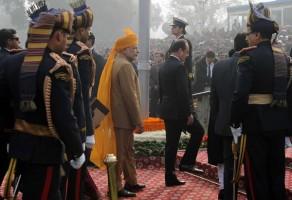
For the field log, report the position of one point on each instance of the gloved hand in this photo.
(78, 162)
(236, 133)
(90, 141)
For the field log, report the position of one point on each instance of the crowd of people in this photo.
(64, 105)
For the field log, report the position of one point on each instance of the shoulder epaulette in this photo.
(70, 58)
(277, 49)
(84, 48)
(60, 62)
(247, 49)
(243, 54)
(15, 51)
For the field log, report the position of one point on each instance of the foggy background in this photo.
(111, 16)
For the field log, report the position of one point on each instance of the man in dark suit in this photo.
(178, 29)
(203, 72)
(220, 137)
(153, 82)
(176, 110)
(259, 104)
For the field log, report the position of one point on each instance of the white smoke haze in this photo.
(112, 16)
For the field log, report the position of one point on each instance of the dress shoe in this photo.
(134, 188)
(191, 169)
(221, 194)
(173, 181)
(126, 193)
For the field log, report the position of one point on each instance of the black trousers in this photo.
(265, 166)
(40, 182)
(173, 132)
(4, 158)
(228, 167)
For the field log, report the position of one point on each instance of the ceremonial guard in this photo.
(83, 18)
(260, 106)
(41, 87)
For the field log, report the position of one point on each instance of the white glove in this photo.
(78, 162)
(90, 141)
(236, 133)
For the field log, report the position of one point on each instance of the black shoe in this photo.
(191, 169)
(126, 193)
(173, 181)
(134, 188)
(221, 195)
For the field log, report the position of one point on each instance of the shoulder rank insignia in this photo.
(245, 50)
(71, 58)
(83, 47)
(243, 59)
(60, 62)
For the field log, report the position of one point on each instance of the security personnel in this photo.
(8, 42)
(83, 19)
(260, 105)
(41, 87)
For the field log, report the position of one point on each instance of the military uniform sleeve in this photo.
(79, 105)
(184, 101)
(63, 117)
(129, 90)
(85, 71)
(242, 89)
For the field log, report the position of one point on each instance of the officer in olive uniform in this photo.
(260, 105)
(41, 88)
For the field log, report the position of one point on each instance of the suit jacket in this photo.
(222, 87)
(201, 78)
(189, 60)
(256, 76)
(99, 62)
(175, 101)
(125, 95)
(3, 53)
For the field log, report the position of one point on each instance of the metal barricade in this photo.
(201, 101)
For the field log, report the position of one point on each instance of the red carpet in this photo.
(195, 188)
(210, 171)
